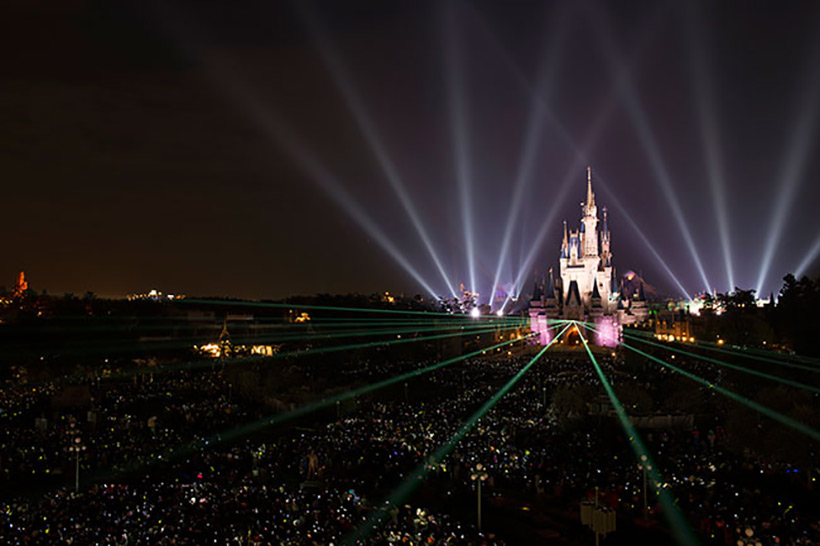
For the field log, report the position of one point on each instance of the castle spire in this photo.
(565, 243)
(590, 195)
(552, 284)
(589, 221)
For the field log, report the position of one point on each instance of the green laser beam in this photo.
(735, 352)
(279, 319)
(760, 408)
(422, 471)
(324, 350)
(314, 307)
(757, 373)
(767, 352)
(252, 339)
(677, 521)
(306, 409)
(201, 364)
(104, 325)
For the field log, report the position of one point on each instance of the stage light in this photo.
(707, 116)
(358, 110)
(601, 120)
(810, 256)
(797, 153)
(499, 313)
(454, 76)
(275, 128)
(475, 313)
(531, 256)
(643, 129)
(546, 226)
(640, 233)
(235, 88)
(535, 125)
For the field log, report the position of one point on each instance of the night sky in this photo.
(190, 146)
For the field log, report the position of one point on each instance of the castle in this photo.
(586, 290)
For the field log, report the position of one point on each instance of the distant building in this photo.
(21, 286)
(673, 326)
(586, 289)
(154, 295)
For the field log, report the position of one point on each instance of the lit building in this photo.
(21, 287)
(673, 326)
(154, 295)
(586, 290)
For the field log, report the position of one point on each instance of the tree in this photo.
(795, 318)
(738, 301)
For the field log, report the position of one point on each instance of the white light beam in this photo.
(353, 99)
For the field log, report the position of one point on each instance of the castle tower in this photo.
(581, 262)
(605, 242)
(565, 243)
(551, 304)
(589, 222)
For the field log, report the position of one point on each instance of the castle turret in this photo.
(639, 307)
(589, 222)
(550, 293)
(590, 195)
(606, 257)
(537, 293)
(551, 304)
(565, 243)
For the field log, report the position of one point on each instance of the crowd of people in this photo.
(319, 484)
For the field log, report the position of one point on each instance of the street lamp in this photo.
(76, 446)
(646, 468)
(479, 475)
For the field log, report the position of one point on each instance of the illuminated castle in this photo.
(586, 290)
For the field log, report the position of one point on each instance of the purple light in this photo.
(607, 332)
(538, 326)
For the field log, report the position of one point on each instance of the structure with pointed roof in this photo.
(586, 289)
